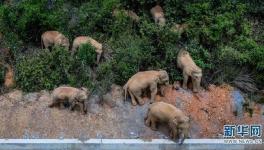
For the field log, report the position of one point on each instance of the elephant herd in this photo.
(55, 38)
(137, 85)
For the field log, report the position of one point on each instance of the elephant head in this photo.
(196, 80)
(162, 21)
(63, 41)
(179, 128)
(163, 77)
(83, 93)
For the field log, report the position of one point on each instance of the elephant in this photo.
(158, 15)
(189, 69)
(143, 80)
(9, 79)
(161, 112)
(88, 40)
(72, 95)
(54, 38)
(180, 28)
(129, 13)
(6, 55)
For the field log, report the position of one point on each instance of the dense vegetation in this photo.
(221, 37)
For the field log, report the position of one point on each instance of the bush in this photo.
(46, 70)
(34, 18)
(130, 55)
(219, 38)
(86, 54)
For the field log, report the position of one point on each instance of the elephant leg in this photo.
(153, 90)
(54, 103)
(133, 99)
(81, 107)
(173, 133)
(85, 107)
(185, 80)
(72, 105)
(74, 48)
(138, 97)
(98, 57)
(195, 89)
(61, 105)
(46, 45)
(147, 122)
(153, 124)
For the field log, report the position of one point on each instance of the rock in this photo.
(93, 108)
(117, 93)
(115, 97)
(108, 100)
(237, 103)
(94, 99)
(31, 97)
(179, 103)
(92, 105)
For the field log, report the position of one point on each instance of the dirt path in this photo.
(209, 111)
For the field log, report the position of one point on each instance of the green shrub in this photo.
(35, 17)
(131, 54)
(94, 16)
(219, 38)
(86, 54)
(46, 70)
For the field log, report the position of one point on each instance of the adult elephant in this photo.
(54, 38)
(143, 80)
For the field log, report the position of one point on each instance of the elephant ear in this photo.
(84, 89)
(173, 123)
(163, 74)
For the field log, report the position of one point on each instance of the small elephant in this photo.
(180, 28)
(88, 40)
(158, 15)
(9, 80)
(189, 69)
(54, 38)
(72, 95)
(163, 112)
(6, 55)
(128, 13)
(143, 80)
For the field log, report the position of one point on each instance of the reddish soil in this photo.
(208, 110)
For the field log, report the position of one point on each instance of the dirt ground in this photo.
(208, 110)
